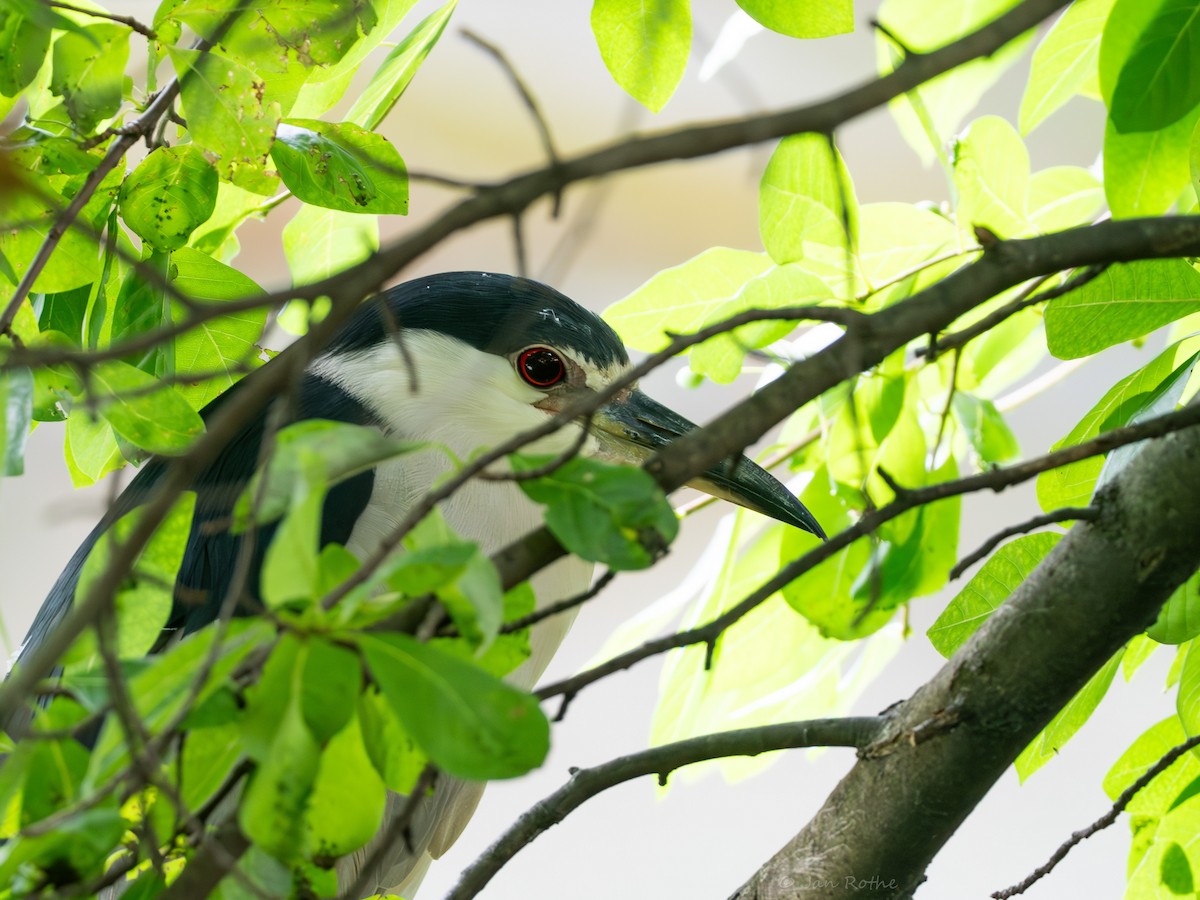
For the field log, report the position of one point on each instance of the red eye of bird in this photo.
(541, 367)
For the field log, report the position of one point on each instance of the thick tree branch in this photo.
(515, 195)
(660, 761)
(874, 337)
(1102, 584)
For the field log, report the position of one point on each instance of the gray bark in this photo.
(946, 745)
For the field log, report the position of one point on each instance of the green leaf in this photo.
(322, 242)
(1159, 81)
(991, 172)
(802, 20)
(422, 570)
(326, 86)
(1162, 400)
(80, 845)
(231, 112)
(925, 25)
(1179, 619)
(759, 661)
(1063, 196)
(1145, 172)
(393, 752)
(823, 594)
(141, 308)
(348, 797)
(278, 35)
(1002, 574)
(806, 195)
(682, 298)
(272, 814)
(90, 449)
(1073, 484)
(25, 223)
(470, 723)
(208, 757)
(161, 686)
(290, 572)
(1124, 302)
(985, 428)
(23, 46)
(644, 45)
(1159, 795)
(144, 598)
(895, 238)
(216, 237)
(1187, 701)
(329, 688)
(16, 403)
(720, 358)
(340, 451)
(142, 411)
(396, 72)
(341, 167)
(916, 549)
(1069, 720)
(224, 348)
(471, 591)
(89, 73)
(616, 515)
(169, 195)
(1176, 871)
(1164, 814)
(1065, 63)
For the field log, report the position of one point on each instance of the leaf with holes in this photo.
(169, 195)
(341, 167)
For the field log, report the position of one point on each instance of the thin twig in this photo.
(1066, 514)
(531, 103)
(130, 21)
(560, 606)
(1168, 759)
(546, 468)
(1027, 298)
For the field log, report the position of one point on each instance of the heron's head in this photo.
(472, 359)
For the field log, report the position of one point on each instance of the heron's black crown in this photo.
(498, 314)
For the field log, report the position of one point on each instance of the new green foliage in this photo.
(644, 45)
(470, 723)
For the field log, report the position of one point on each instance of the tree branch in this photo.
(1066, 514)
(660, 761)
(910, 498)
(1102, 584)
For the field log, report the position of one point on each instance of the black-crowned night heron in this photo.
(492, 356)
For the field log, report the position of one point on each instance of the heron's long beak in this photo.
(633, 427)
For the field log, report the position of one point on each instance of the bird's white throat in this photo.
(443, 391)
